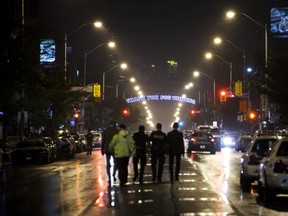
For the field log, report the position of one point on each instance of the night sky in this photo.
(153, 31)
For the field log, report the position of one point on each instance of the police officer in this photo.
(175, 150)
(158, 141)
(89, 138)
(141, 141)
(107, 136)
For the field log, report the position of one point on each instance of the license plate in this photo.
(202, 146)
(28, 158)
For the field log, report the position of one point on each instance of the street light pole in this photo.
(196, 73)
(264, 106)
(218, 40)
(209, 56)
(110, 44)
(123, 66)
(97, 24)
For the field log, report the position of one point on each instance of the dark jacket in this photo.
(176, 142)
(141, 140)
(107, 136)
(158, 142)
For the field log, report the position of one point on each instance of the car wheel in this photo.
(213, 152)
(244, 183)
(261, 191)
(264, 193)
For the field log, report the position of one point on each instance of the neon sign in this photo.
(160, 98)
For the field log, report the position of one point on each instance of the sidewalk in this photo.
(192, 195)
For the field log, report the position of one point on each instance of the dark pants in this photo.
(171, 165)
(89, 148)
(122, 165)
(143, 161)
(108, 166)
(160, 159)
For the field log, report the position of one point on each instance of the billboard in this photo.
(47, 51)
(279, 22)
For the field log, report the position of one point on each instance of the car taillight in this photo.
(192, 139)
(253, 160)
(280, 167)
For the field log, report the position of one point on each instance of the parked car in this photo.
(242, 142)
(65, 147)
(78, 143)
(250, 160)
(201, 141)
(82, 139)
(11, 142)
(97, 140)
(273, 171)
(34, 150)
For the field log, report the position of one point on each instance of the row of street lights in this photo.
(217, 41)
(97, 24)
(110, 44)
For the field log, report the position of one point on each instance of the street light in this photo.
(231, 15)
(218, 40)
(97, 24)
(264, 105)
(209, 55)
(122, 66)
(110, 44)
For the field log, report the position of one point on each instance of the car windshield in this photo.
(215, 131)
(283, 149)
(261, 146)
(30, 143)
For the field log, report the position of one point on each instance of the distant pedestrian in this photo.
(141, 142)
(158, 141)
(175, 150)
(89, 138)
(107, 136)
(123, 147)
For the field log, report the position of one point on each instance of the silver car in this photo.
(250, 160)
(273, 171)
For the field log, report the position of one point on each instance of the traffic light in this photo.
(77, 114)
(252, 116)
(192, 112)
(223, 95)
(125, 112)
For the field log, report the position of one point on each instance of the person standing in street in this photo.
(141, 141)
(158, 141)
(107, 136)
(89, 138)
(123, 147)
(175, 150)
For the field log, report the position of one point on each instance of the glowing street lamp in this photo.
(232, 14)
(218, 41)
(110, 44)
(264, 98)
(209, 55)
(97, 24)
(123, 66)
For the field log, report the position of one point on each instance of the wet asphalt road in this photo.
(79, 187)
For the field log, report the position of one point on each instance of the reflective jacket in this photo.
(122, 146)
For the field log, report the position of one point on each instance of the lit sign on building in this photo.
(47, 51)
(279, 22)
(160, 98)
